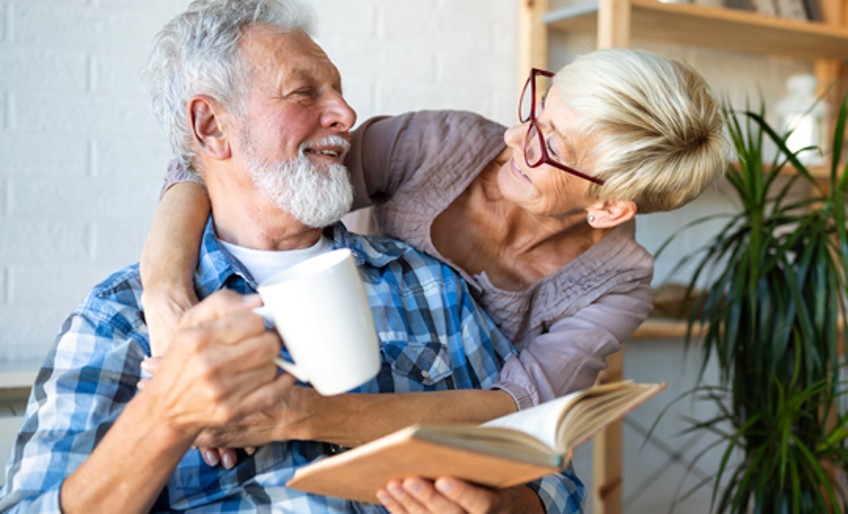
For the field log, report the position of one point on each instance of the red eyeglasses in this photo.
(535, 152)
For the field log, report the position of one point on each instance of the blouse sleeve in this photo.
(374, 176)
(569, 356)
(422, 149)
(178, 173)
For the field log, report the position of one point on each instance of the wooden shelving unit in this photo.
(711, 27)
(617, 23)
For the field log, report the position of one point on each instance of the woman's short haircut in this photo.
(198, 52)
(655, 128)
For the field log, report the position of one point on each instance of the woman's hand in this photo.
(163, 312)
(452, 496)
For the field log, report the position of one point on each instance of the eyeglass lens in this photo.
(533, 146)
(534, 91)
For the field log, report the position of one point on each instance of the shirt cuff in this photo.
(522, 397)
(561, 493)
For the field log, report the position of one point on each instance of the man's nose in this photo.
(337, 113)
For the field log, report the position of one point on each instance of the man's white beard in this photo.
(316, 196)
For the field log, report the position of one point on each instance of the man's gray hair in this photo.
(198, 53)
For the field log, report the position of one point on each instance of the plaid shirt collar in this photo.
(218, 268)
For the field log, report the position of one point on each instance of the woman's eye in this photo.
(551, 150)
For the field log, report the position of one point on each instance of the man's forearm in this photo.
(130, 466)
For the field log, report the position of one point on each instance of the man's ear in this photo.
(205, 118)
(611, 213)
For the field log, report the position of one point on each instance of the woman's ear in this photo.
(205, 118)
(611, 213)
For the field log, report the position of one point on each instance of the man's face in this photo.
(295, 130)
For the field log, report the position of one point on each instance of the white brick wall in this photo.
(82, 158)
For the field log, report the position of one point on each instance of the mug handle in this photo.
(289, 367)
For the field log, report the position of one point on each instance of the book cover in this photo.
(504, 452)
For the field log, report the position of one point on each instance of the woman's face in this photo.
(546, 190)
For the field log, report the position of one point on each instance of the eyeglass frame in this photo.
(545, 158)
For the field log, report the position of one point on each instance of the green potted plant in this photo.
(771, 316)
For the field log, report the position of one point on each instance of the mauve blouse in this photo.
(411, 167)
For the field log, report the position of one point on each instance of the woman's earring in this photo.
(590, 218)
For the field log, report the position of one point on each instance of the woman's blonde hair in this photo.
(655, 127)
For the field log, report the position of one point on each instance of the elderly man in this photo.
(255, 106)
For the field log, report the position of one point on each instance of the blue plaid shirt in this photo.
(432, 334)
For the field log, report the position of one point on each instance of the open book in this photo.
(506, 451)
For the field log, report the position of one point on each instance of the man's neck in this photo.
(245, 217)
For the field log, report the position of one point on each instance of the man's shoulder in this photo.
(382, 250)
(117, 295)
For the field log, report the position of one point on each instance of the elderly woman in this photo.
(539, 218)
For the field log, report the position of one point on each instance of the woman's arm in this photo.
(570, 355)
(169, 258)
(306, 415)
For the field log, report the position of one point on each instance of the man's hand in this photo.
(452, 496)
(282, 421)
(219, 366)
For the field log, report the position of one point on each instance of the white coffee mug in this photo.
(320, 309)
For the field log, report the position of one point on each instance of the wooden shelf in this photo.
(716, 28)
(617, 23)
(660, 329)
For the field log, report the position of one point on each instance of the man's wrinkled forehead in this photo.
(292, 54)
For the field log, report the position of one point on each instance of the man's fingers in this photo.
(425, 493)
(267, 395)
(219, 304)
(468, 497)
(416, 496)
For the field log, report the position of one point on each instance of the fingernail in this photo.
(396, 490)
(143, 364)
(211, 458)
(229, 461)
(383, 497)
(250, 450)
(444, 485)
(141, 384)
(414, 486)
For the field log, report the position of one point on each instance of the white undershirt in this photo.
(262, 264)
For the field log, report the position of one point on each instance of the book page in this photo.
(541, 421)
(566, 422)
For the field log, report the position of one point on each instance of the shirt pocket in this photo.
(425, 363)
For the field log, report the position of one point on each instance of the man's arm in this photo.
(220, 368)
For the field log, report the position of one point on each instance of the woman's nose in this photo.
(514, 136)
